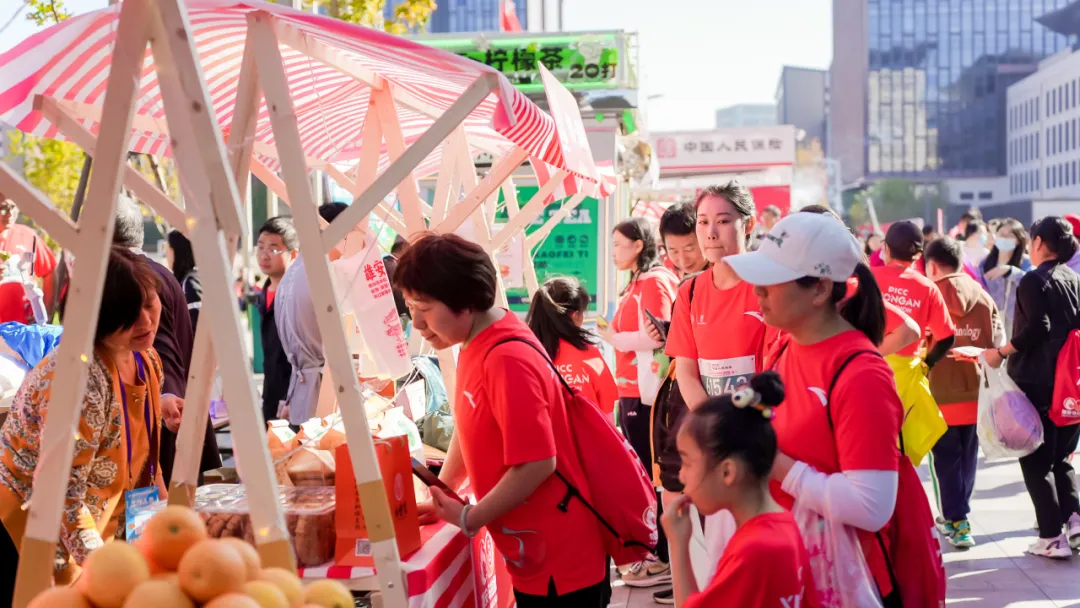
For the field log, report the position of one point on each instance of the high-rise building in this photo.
(746, 115)
(917, 87)
(452, 16)
(800, 101)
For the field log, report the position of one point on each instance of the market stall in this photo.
(227, 88)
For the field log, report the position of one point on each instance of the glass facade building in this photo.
(937, 75)
(453, 16)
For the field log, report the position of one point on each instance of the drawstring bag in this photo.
(1065, 404)
(1008, 425)
(923, 422)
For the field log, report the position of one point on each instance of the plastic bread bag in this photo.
(1008, 424)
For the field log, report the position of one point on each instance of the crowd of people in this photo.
(766, 378)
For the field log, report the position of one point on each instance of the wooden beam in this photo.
(37, 552)
(389, 216)
(173, 45)
(529, 212)
(502, 169)
(403, 166)
(534, 239)
(447, 177)
(382, 102)
(269, 179)
(40, 209)
(244, 118)
(140, 186)
(369, 481)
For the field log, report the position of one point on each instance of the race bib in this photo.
(723, 376)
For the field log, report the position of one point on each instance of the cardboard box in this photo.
(353, 547)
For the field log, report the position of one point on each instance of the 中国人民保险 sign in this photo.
(724, 149)
(578, 61)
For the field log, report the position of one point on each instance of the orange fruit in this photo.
(211, 568)
(249, 554)
(266, 594)
(287, 582)
(169, 534)
(144, 549)
(328, 594)
(60, 597)
(170, 577)
(232, 600)
(111, 573)
(159, 594)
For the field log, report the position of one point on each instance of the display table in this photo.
(448, 570)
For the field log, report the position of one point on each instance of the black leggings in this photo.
(9, 557)
(1049, 477)
(597, 596)
(635, 419)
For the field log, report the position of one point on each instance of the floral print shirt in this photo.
(99, 475)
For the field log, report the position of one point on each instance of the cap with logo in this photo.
(800, 245)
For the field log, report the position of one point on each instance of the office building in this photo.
(918, 88)
(454, 16)
(746, 115)
(800, 101)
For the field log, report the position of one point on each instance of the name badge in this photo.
(137, 509)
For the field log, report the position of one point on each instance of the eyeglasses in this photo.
(259, 251)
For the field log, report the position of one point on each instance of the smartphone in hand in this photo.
(432, 480)
(658, 324)
(602, 323)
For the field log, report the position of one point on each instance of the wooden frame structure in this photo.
(214, 179)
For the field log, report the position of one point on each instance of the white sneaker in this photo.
(1056, 548)
(649, 573)
(1072, 530)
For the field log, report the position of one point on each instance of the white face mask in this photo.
(1005, 244)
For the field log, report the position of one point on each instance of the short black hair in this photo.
(450, 269)
(927, 229)
(330, 211)
(973, 228)
(904, 240)
(945, 252)
(129, 281)
(183, 255)
(679, 219)
(283, 227)
(399, 246)
(129, 227)
(971, 214)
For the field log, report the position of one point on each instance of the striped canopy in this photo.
(70, 62)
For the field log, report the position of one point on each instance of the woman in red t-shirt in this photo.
(510, 429)
(639, 369)
(555, 315)
(839, 426)
(728, 448)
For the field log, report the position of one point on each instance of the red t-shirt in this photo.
(510, 409)
(764, 564)
(917, 296)
(866, 414)
(21, 238)
(656, 291)
(723, 329)
(270, 293)
(586, 371)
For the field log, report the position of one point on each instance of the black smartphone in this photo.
(658, 324)
(432, 480)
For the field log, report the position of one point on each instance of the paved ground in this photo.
(996, 573)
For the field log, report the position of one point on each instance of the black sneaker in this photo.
(665, 597)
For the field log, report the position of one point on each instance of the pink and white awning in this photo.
(70, 62)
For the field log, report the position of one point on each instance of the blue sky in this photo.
(699, 54)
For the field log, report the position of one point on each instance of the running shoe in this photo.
(1056, 548)
(961, 535)
(944, 526)
(649, 573)
(664, 597)
(1072, 529)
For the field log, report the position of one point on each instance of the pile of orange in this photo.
(175, 564)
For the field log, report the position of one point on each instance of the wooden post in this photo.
(37, 552)
(502, 169)
(529, 212)
(369, 481)
(200, 153)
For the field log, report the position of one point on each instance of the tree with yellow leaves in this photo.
(410, 15)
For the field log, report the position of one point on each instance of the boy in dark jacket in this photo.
(955, 385)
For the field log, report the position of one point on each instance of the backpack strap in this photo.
(571, 491)
(836, 378)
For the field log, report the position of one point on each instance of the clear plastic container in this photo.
(309, 517)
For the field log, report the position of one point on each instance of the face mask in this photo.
(1005, 244)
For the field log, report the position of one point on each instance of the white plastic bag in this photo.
(841, 576)
(1008, 425)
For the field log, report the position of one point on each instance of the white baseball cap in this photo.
(800, 245)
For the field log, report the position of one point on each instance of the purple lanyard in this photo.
(146, 418)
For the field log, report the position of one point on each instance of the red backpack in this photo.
(1065, 406)
(619, 491)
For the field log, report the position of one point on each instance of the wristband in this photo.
(463, 521)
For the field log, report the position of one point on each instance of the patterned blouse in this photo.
(93, 504)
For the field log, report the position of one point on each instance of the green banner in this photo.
(588, 61)
(569, 250)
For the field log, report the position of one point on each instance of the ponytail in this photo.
(865, 309)
(1057, 235)
(550, 314)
